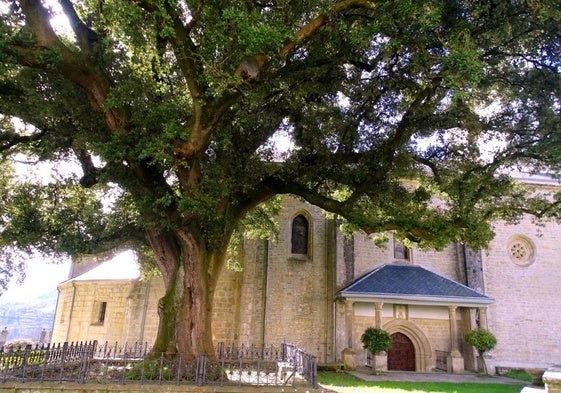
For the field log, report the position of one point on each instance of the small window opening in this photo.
(300, 229)
(102, 308)
(400, 251)
(99, 312)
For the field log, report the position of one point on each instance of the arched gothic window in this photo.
(300, 229)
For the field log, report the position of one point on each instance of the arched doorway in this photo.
(424, 361)
(401, 355)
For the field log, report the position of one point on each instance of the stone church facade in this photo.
(320, 290)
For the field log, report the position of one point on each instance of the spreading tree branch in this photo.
(311, 28)
(78, 69)
(86, 36)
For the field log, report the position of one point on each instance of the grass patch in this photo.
(519, 374)
(346, 383)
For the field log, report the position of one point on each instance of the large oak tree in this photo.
(402, 115)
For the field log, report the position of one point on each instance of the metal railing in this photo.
(92, 362)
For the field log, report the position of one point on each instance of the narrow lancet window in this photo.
(300, 228)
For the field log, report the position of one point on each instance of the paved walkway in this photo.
(404, 376)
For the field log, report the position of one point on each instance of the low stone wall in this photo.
(552, 380)
(148, 388)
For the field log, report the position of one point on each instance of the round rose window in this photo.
(521, 250)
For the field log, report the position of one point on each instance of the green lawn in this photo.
(346, 383)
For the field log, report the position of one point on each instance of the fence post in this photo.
(201, 369)
(179, 368)
(160, 373)
(94, 348)
(45, 360)
(314, 372)
(222, 361)
(63, 359)
(26, 354)
(4, 364)
(84, 363)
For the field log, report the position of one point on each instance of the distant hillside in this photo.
(26, 319)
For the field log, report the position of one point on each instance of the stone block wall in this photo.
(444, 262)
(432, 322)
(279, 296)
(296, 301)
(77, 319)
(62, 315)
(368, 255)
(253, 292)
(525, 316)
(147, 317)
(226, 306)
(437, 331)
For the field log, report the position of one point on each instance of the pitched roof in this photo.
(412, 284)
(121, 267)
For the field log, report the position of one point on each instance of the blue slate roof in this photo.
(413, 282)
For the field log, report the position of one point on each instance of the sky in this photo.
(41, 278)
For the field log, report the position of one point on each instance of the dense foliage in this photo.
(172, 111)
(375, 340)
(481, 339)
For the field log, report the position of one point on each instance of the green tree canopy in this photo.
(172, 108)
(375, 340)
(482, 340)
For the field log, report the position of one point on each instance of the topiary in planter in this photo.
(375, 340)
(483, 340)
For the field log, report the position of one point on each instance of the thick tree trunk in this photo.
(186, 309)
(482, 364)
(374, 371)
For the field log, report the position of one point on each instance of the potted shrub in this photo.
(376, 341)
(483, 340)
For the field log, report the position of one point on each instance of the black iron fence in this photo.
(92, 362)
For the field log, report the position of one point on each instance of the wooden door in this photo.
(401, 355)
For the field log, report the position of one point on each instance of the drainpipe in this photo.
(334, 354)
(334, 349)
(464, 254)
(265, 293)
(327, 294)
(56, 311)
(144, 309)
(71, 310)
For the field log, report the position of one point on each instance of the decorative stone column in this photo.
(349, 321)
(483, 317)
(348, 355)
(455, 361)
(378, 317)
(382, 357)
(488, 358)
